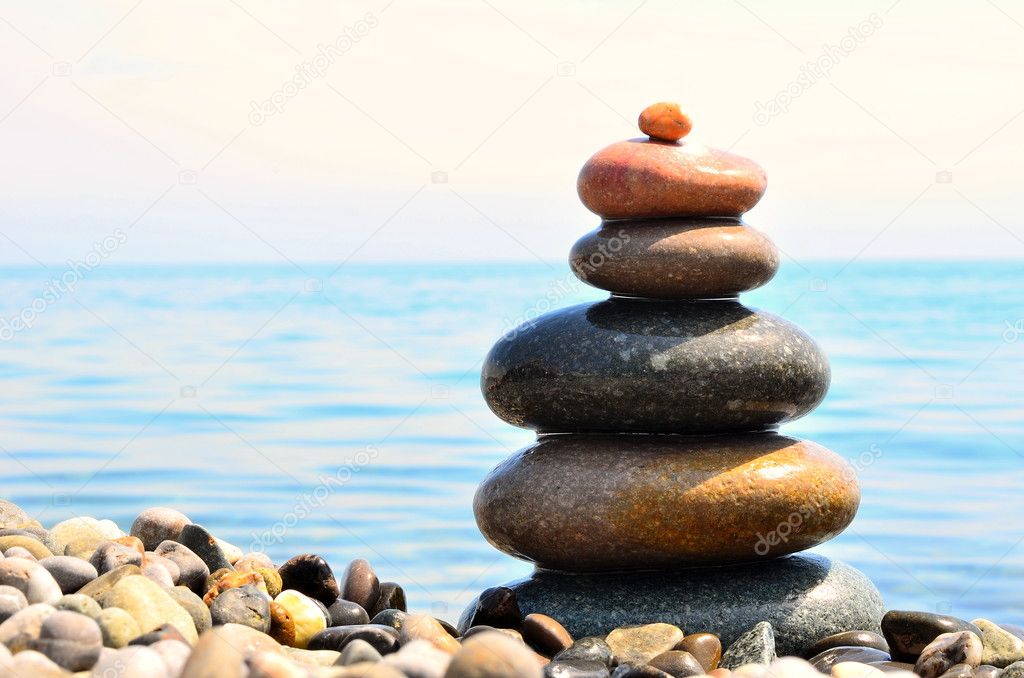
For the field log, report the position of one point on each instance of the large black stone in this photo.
(805, 597)
(634, 365)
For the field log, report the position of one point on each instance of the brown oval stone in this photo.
(545, 634)
(629, 502)
(664, 121)
(646, 178)
(675, 258)
(705, 648)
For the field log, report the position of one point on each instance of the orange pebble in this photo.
(665, 121)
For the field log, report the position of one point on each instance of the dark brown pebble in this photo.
(848, 639)
(310, 574)
(907, 632)
(392, 597)
(545, 635)
(706, 648)
(346, 613)
(497, 607)
(678, 664)
(360, 584)
(449, 629)
(202, 543)
(824, 661)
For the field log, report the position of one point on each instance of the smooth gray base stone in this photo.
(805, 597)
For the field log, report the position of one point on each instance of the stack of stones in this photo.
(656, 411)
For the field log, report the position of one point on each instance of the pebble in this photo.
(13, 516)
(345, 613)
(392, 618)
(70, 573)
(24, 626)
(575, 668)
(384, 639)
(639, 644)
(855, 670)
(221, 652)
(306, 616)
(135, 661)
(117, 627)
(282, 628)
(149, 604)
(250, 561)
(826, 659)
(35, 664)
(30, 578)
(12, 600)
(243, 605)
(908, 632)
(103, 583)
(545, 634)
(1014, 670)
(664, 121)
(358, 651)
(193, 570)
(194, 605)
(154, 560)
(225, 580)
(959, 671)
(756, 646)
(83, 533)
(493, 655)
(987, 671)
(76, 602)
(638, 671)
(419, 659)
(310, 574)
(204, 545)
(497, 607)
(19, 552)
(590, 648)
(31, 545)
(1000, 648)
(645, 179)
(947, 650)
(70, 640)
(678, 664)
(848, 639)
(360, 584)
(425, 627)
(391, 597)
(174, 654)
(271, 665)
(110, 555)
(706, 648)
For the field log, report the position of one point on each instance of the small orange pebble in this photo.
(665, 121)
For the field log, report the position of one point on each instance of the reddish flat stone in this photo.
(645, 178)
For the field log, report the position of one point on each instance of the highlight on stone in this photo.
(664, 121)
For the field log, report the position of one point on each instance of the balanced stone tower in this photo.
(659, 489)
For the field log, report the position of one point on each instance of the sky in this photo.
(251, 130)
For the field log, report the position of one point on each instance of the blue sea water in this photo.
(308, 408)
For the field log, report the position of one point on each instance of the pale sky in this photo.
(455, 130)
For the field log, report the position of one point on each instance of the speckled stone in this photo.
(242, 605)
(756, 646)
(76, 602)
(599, 503)
(13, 516)
(643, 179)
(948, 650)
(675, 258)
(908, 632)
(1000, 647)
(641, 366)
(589, 649)
(640, 644)
(805, 597)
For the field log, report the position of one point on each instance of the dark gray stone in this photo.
(392, 618)
(312, 575)
(384, 639)
(644, 671)
(756, 646)
(202, 543)
(590, 648)
(194, 570)
(244, 605)
(392, 597)
(346, 613)
(805, 597)
(908, 631)
(70, 573)
(111, 555)
(71, 640)
(629, 365)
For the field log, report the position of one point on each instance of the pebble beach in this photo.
(167, 599)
